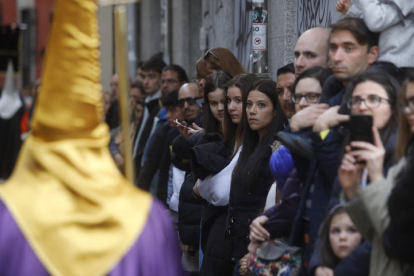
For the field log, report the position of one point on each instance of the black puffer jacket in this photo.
(190, 210)
(165, 164)
(244, 206)
(181, 150)
(210, 156)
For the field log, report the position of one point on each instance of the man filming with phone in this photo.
(187, 101)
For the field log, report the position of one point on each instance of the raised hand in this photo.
(307, 117)
(373, 155)
(329, 118)
(195, 129)
(343, 6)
(349, 174)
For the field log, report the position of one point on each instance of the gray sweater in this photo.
(369, 213)
(394, 19)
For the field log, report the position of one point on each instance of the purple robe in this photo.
(156, 251)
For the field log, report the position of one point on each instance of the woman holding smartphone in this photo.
(373, 93)
(367, 206)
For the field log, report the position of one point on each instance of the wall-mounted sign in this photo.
(259, 37)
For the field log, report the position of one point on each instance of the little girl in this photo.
(338, 237)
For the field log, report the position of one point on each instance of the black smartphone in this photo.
(181, 124)
(360, 128)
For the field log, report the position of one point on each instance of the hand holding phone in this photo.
(360, 128)
(182, 125)
(366, 146)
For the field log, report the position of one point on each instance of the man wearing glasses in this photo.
(352, 50)
(172, 78)
(187, 100)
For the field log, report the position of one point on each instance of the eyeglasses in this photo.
(169, 81)
(209, 52)
(310, 97)
(408, 103)
(372, 101)
(189, 100)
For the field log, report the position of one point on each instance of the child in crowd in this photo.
(338, 238)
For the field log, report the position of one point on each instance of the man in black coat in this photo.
(157, 148)
(172, 78)
(151, 75)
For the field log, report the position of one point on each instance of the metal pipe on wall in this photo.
(259, 39)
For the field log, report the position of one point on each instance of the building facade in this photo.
(182, 29)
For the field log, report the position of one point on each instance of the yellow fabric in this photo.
(324, 133)
(70, 201)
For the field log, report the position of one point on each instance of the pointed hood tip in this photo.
(72, 68)
(9, 86)
(10, 100)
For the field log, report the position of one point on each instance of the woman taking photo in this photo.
(367, 206)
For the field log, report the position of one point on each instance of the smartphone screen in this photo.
(360, 128)
(181, 124)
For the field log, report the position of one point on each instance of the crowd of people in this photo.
(215, 153)
(318, 161)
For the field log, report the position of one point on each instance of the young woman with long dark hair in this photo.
(251, 179)
(216, 187)
(190, 209)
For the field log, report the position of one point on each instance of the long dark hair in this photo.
(254, 150)
(405, 130)
(234, 133)
(217, 80)
(327, 256)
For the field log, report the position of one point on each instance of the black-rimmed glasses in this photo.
(372, 101)
(209, 52)
(310, 97)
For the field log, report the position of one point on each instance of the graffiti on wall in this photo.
(243, 32)
(312, 13)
